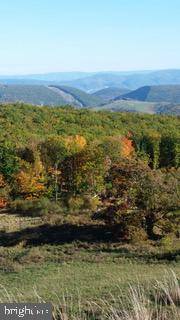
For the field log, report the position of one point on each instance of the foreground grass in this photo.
(85, 279)
(91, 280)
(73, 274)
(97, 290)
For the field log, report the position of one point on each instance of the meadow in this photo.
(84, 277)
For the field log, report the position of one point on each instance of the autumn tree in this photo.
(74, 144)
(119, 200)
(4, 192)
(116, 147)
(137, 196)
(30, 180)
(84, 172)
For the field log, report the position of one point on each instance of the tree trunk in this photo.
(150, 220)
(56, 182)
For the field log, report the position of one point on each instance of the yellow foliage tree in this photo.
(75, 143)
(30, 180)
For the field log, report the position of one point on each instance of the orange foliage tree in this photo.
(127, 148)
(116, 147)
(3, 192)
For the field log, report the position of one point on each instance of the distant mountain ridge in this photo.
(50, 77)
(162, 93)
(129, 81)
(94, 81)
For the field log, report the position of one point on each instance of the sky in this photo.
(39, 36)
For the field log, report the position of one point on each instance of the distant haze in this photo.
(91, 82)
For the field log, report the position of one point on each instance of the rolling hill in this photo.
(168, 109)
(142, 107)
(34, 94)
(110, 93)
(163, 93)
(129, 106)
(146, 99)
(47, 95)
(80, 97)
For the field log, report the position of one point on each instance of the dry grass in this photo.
(162, 304)
(168, 291)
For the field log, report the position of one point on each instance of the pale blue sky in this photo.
(39, 36)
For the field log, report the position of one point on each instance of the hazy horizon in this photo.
(87, 71)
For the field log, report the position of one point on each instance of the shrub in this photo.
(90, 203)
(36, 207)
(167, 242)
(137, 235)
(75, 204)
(83, 203)
(34, 255)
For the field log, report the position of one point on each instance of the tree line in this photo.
(126, 176)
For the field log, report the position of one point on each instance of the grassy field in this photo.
(76, 271)
(93, 280)
(131, 106)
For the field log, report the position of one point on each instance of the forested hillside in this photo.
(81, 98)
(155, 94)
(34, 94)
(47, 95)
(158, 99)
(19, 122)
(125, 165)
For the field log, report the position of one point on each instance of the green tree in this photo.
(159, 200)
(9, 162)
